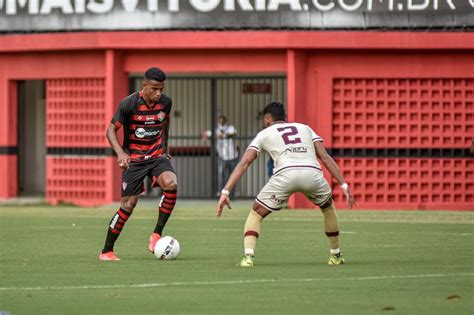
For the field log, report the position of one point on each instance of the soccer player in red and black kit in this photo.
(145, 118)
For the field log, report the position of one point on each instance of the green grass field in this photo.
(397, 263)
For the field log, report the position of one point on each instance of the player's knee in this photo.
(168, 181)
(127, 207)
(170, 185)
(260, 211)
(128, 204)
(327, 205)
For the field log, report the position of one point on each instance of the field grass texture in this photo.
(397, 262)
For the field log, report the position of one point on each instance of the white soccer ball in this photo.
(167, 248)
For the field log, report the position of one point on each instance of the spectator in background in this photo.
(227, 152)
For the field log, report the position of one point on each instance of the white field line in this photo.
(281, 230)
(347, 232)
(78, 227)
(231, 282)
(467, 219)
(432, 233)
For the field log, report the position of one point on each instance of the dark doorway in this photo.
(197, 104)
(31, 138)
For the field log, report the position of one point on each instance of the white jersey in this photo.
(289, 144)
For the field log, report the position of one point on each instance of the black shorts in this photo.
(133, 177)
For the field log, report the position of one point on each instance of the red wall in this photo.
(409, 100)
(333, 80)
(34, 66)
(213, 61)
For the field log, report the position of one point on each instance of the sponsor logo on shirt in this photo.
(150, 119)
(142, 133)
(297, 150)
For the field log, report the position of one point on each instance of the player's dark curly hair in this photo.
(155, 74)
(276, 110)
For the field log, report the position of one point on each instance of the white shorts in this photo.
(307, 180)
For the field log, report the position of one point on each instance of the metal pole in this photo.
(213, 136)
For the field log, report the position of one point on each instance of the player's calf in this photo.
(166, 207)
(116, 225)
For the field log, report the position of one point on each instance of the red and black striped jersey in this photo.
(144, 127)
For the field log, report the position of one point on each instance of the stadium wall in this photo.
(396, 109)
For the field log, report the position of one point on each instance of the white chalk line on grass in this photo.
(231, 282)
(78, 227)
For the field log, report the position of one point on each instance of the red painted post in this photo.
(116, 88)
(9, 138)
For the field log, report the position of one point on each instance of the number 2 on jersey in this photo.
(289, 137)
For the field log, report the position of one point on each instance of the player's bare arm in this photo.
(332, 167)
(122, 158)
(244, 163)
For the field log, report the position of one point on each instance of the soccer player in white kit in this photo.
(295, 148)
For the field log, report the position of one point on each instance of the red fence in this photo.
(75, 113)
(413, 183)
(80, 180)
(423, 123)
(403, 113)
(76, 119)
